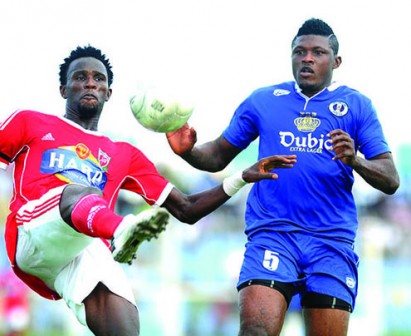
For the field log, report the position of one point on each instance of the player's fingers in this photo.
(182, 129)
(270, 168)
(335, 133)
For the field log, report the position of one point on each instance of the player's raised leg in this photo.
(84, 209)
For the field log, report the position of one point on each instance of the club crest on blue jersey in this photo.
(338, 108)
(76, 164)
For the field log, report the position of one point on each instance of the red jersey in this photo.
(49, 151)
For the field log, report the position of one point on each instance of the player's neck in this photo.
(87, 123)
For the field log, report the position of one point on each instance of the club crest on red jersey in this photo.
(103, 159)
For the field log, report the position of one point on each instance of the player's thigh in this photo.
(81, 277)
(108, 313)
(270, 256)
(45, 242)
(333, 272)
(262, 310)
(326, 322)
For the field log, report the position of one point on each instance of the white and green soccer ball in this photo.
(160, 109)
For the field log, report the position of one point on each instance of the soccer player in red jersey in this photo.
(67, 177)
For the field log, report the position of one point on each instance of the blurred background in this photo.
(214, 53)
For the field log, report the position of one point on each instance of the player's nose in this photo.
(90, 82)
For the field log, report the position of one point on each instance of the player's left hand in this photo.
(343, 146)
(262, 170)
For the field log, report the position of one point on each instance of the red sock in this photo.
(92, 216)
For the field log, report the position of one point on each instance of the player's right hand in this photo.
(182, 140)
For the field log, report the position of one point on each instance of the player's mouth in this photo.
(88, 97)
(306, 71)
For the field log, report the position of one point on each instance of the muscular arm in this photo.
(212, 156)
(379, 172)
(191, 208)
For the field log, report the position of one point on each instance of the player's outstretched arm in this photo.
(211, 156)
(191, 208)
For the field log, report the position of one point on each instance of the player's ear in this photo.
(108, 95)
(63, 91)
(337, 62)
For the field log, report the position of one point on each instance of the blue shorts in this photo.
(312, 264)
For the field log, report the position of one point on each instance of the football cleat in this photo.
(134, 229)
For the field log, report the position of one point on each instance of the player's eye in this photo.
(99, 78)
(299, 52)
(80, 77)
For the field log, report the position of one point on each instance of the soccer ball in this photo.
(159, 109)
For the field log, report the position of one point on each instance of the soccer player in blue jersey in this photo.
(301, 229)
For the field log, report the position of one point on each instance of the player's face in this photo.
(87, 88)
(313, 62)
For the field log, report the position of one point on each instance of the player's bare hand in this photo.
(263, 169)
(182, 140)
(343, 146)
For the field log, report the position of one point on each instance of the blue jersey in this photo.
(316, 194)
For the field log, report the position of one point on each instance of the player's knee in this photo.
(323, 301)
(110, 314)
(70, 196)
(246, 330)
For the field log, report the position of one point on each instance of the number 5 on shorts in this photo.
(271, 260)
